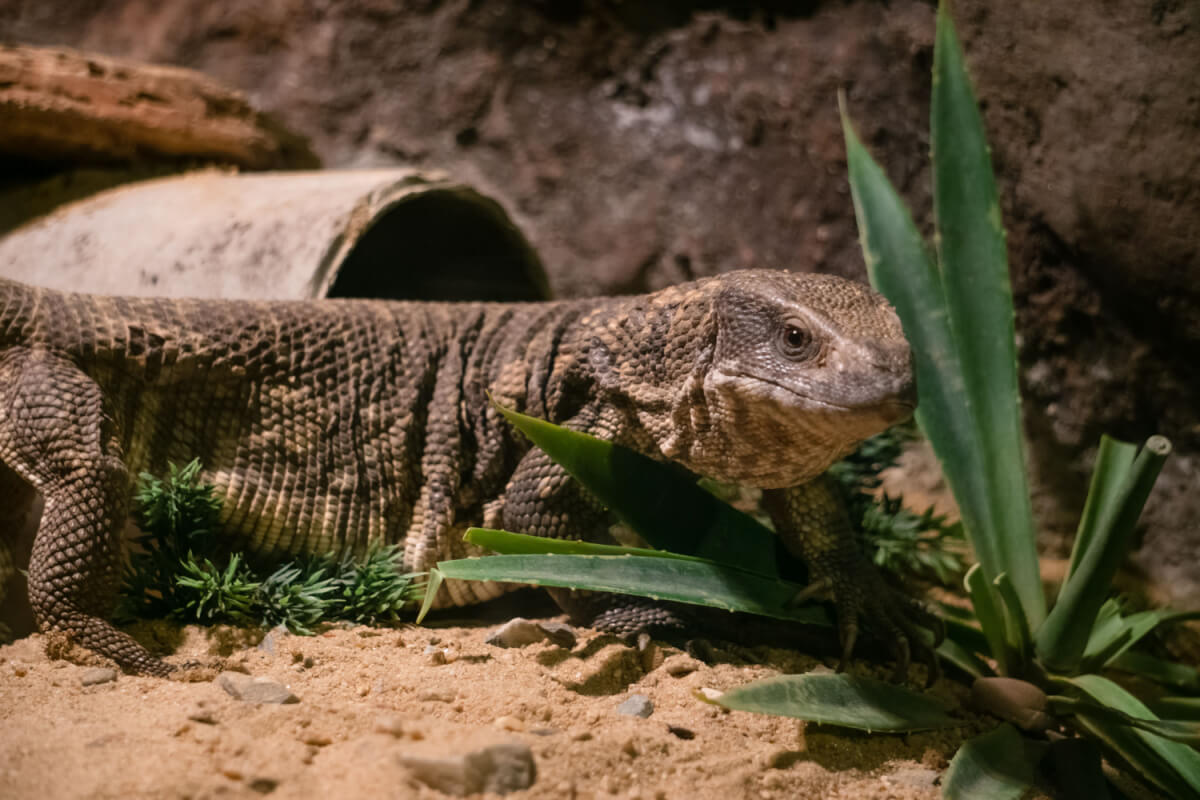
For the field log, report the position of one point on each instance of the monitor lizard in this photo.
(328, 425)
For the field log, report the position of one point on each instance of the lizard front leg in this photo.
(544, 500)
(812, 522)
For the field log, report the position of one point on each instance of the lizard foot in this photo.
(903, 623)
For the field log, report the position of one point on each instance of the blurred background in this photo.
(638, 144)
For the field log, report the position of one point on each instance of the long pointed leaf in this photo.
(1173, 766)
(1061, 641)
(693, 581)
(993, 766)
(991, 620)
(1177, 730)
(660, 502)
(1113, 460)
(974, 269)
(900, 268)
(1159, 670)
(840, 699)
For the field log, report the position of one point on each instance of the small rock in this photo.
(267, 645)
(97, 675)
(581, 736)
(709, 695)
(517, 632)
(1016, 701)
(679, 665)
(508, 723)
(499, 768)
(687, 734)
(391, 725)
(437, 696)
(560, 633)
(202, 714)
(782, 759)
(436, 655)
(636, 705)
(263, 785)
(255, 690)
(918, 777)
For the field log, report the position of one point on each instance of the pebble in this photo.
(97, 675)
(255, 690)
(201, 713)
(560, 633)
(499, 768)
(517, 632)
(679, 665)
(437, 696)
(267, 645)
(918, 777)
(686, 734)
(636, 705)
(508, 723)
(711, 695)
(391, 725)
(520, 632)
(263, 785)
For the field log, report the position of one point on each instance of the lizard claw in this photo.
(906, 625)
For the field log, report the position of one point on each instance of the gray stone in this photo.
(560, 633)
(499, 768)
(255, 690)
(636, 705)
(97, 675)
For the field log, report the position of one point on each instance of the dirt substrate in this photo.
(370, 698)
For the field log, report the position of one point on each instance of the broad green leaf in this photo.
(1177, 730)
(1159, 670)
(1128, 631)
(1173, 766)
(993, 766)
(1184, 708)
(1061, 641)
(694, 581)
(661, 502)
(978, 298)
(899, 267)
(840, 699)
(1113, 460)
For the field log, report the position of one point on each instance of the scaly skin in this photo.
(329, 425)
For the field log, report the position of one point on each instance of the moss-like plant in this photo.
(185, 572)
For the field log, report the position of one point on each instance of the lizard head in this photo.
(802, 368)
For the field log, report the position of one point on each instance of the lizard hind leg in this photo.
(55, 433)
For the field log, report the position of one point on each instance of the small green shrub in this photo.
(184, 571)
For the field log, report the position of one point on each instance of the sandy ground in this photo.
(370, 697)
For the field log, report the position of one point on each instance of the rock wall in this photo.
(644, 143)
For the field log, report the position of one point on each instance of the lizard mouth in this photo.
(816, 400)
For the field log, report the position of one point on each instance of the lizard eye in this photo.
(796, 342)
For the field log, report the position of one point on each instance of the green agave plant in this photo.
(1034, 665)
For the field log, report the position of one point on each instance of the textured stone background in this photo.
(644, 143)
